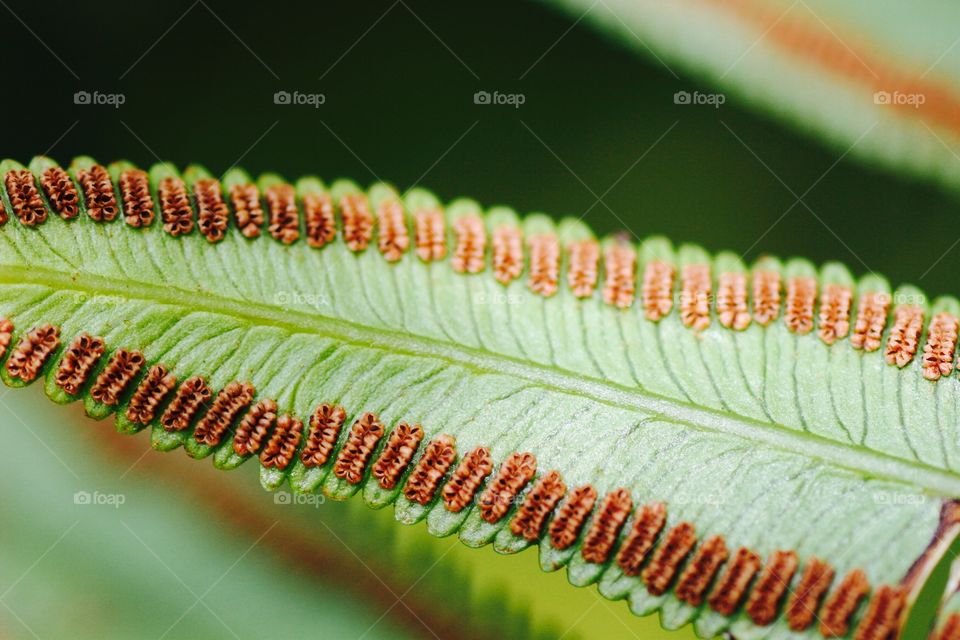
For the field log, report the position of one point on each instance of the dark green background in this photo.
(399, 98)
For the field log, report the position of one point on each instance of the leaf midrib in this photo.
(848, 456)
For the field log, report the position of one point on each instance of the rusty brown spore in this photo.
(226, 407)
(254, 427)
(150, 393)
(175, 211)
(325, 425)
(648, 522)
(188, 401)
(282, 445)
(506, 248)
(537, 506)
(138, 206)
(61, 192)
(25, 197)
(399, 451)
(284, 216)
(514, 474)
(212, 212)
(437, 459)
(247, 210)
(32, 352)
(393, 239)
(98, 193)
(78, 362)
(565, 527)
(357, 221)
(465, 480)
(357, 450)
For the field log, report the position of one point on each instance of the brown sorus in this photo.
(771, 585)
(871, 321)
(437, 459)
(881, 620)
(226, 407)
(396, 456)
(325, 425)
(835, 303)
(25, 197)
(515, 472)
(190, 398)
(470, 245)
(32, 352)
(619, 275)
(950, 629)
(284, 215)
(766, 297)
(841, 604)
(120, 371)
(98, 193)
(6, 335)
(430, 234)
(175, 211)
(606, 525)
(565, 527)
(507, 253)
(695, 292)
(355, 454)
(805, 599)
(212, 212)
(904, 335)
(657, 289)
(941, 347)
(319, 219)
(254, 427)
(282, 445)
(78, 361)
(466, 479)
(537, 506)
(154, 387)
(732, 309)
(61, 192)
(798, 309)
(393, 239)
(247, 210)
(732, 585)
(697, 576)
(138, 207)
(648, 522)
(544, 264)
(357, 221)
(582, 268)
(677, 543)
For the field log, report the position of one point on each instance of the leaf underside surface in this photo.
(766, 436)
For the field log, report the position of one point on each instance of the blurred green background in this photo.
(196, 554)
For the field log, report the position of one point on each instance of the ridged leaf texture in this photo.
(767, 452)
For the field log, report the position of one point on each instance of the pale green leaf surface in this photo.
(774, 440)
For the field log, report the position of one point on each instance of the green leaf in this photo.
(782, 439)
